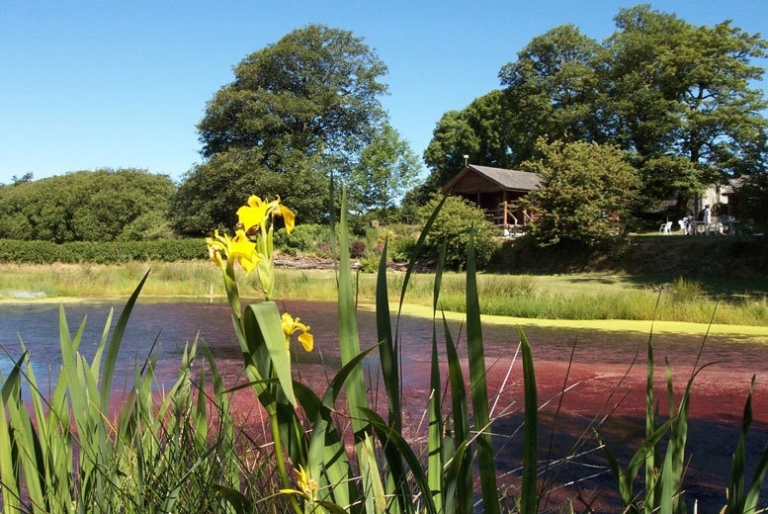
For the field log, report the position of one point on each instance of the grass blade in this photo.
(349, 341)
(393, 440)
(114, 346)
(263, 321)
(388, 349)
(479, 388)
(529, 494)
(460, 478)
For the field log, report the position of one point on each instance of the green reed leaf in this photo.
(479, 388)
(10, 483)
(349, 341)
(460, 479)
(388, 351)
(114, 346)
(326, 456)
(394, 440)
(738, 501)
(529, 493)
(625, 479)
(327, 460)
(237, 500)
(264, 331)
(436, 450)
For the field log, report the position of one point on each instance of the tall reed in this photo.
(71, 452)
(665, 466)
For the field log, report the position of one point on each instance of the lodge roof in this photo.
(510, 180)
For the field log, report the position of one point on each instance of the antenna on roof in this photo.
(466, 158)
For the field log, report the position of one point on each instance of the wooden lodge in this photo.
(495, 190)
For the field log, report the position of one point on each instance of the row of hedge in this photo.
(42, 252)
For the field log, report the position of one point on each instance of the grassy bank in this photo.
(577, 297)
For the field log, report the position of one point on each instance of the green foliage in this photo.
(314, 89)
(554, 90)
(304, 238)
(681, 100)
(585, 193)
(203, 201)
(43, 252)
(181, 451)
(101, 205)
(743, 497)
(404, 248)
(297, 112)
(683, 290)
(754, 212)
(452, 228)
(387, 167)
(478, 131)
(68, 452)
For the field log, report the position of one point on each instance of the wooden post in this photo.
(506, 209)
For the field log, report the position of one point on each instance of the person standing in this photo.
(707, 219)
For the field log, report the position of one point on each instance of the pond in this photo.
(595, 363)
(169, 325)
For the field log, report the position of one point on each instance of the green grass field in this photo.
(575, 297)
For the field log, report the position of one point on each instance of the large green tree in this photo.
(211, 192)
(682, 100)
(477, 132)
(386, 169)
(550, 91)
(297, 111)
(553, 91)
(586, 193)
(101, 205)
(452, 228)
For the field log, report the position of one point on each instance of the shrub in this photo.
(46, 252)
(585, 196)
(452, 226)
(101, 205)
(304, 238)
(403, 248)
(357, 249)
(369, 264)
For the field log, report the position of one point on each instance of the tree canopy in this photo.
(680, 100)
(585, 195)
(101, 205)
(386, 169)
(479, 132)
(297, 111)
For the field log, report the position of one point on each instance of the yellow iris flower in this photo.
(257, 213)
(292, 325)
(224, 250)
(308, 487)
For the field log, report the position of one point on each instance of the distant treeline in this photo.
(101, 205)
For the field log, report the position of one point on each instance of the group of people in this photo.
(688, 224)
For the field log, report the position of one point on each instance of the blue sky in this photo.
(91, 84)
